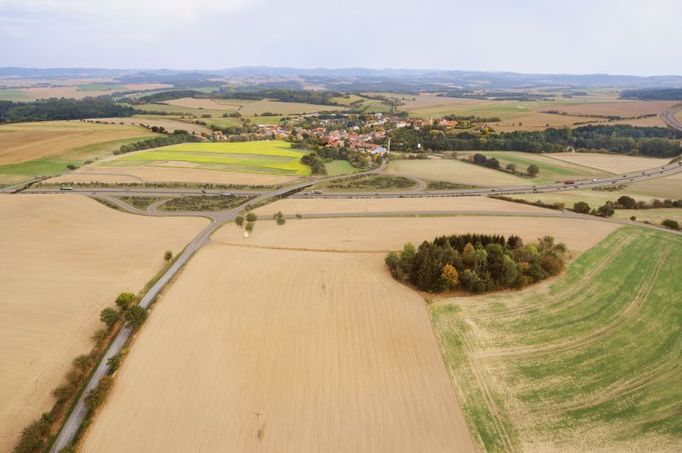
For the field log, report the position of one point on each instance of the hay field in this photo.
(453, 171)
(156, 173)
(63, 259)
(587, 362)
(268, 157)
(612, 163)
(329, 206)
(551, 170)
(328, 366)
(45, 148)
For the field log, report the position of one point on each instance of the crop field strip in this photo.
(593, 356)
(250, 157)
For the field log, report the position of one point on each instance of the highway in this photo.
(669, 117)
(626, 178)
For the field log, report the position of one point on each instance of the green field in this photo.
(339, 167)
(14, 95)
(269, 157)
(589, 362)
(551, 170)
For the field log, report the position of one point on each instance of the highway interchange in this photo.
(303, 190)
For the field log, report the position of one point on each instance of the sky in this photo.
(639, 37)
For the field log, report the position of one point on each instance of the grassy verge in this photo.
(141, 203)
(369, 183)
(203, 203)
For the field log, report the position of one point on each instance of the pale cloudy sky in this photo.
(556, 36)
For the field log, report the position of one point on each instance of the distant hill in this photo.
(355, 79)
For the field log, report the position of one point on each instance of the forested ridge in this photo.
(620, 138)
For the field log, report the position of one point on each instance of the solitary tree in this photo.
(249, 227)
(581, 207)
(135, 316)
(168, 255)
(532, 170)
(239, 220)
(251, 217)
(606, 210)
(109, 316)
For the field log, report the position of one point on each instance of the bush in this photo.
(109, 316)
(124, 300)
(582, 207)
(672, 224)
(168, 255)
(533, 170)
(135, 316)
(249, 226)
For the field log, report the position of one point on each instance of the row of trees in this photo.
(179, 136)
(36, 436)
(480, 159)
(476, 263)
(624, 139)
(61, 109)
(624, 202)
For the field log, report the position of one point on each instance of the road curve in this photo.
(669, 117)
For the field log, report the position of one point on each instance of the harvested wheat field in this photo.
(169, 124)
(455, 171)
(624, 109)
(29, 141)
(307, 362)
(64, 258)
(157, 173)
(435, 205)
(386, 234)
(612, 163)
(589, 361)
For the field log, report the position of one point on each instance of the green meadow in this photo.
(589, 362)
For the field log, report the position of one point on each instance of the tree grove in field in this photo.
(476, 262)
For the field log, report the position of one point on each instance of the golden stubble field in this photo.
(159, 173)
(63, 259)
(453, 171)
(24, 142)
(298, 339)
(613, 163)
